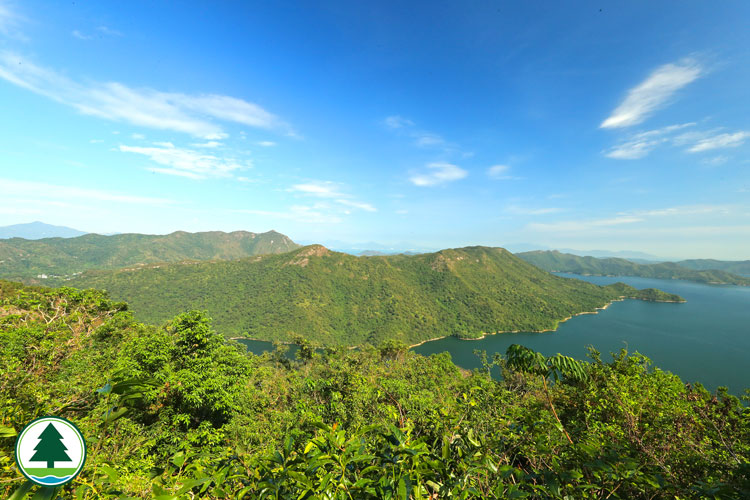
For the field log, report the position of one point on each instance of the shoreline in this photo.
(485, 335)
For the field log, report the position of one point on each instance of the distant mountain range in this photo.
(52, 261)
(741, 267)
(337, 299)
(38, 230)
(554, 261)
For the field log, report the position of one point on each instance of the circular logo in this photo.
(50, 451)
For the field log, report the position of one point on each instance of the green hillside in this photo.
(338, 299)
(60, 258)
(554, 261)
(177, 412)
(741, 267)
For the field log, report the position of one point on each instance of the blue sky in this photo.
(588, 125)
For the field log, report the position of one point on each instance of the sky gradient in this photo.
(587, 125)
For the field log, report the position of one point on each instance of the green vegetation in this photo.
(59, 259)
(177, 412)
(554, 261)
(741, 267)
(337, 299)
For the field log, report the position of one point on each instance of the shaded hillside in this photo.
(338, 299)
(60, 258)
(554, 261)
(741, 267)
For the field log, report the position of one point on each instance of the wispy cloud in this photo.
(81, 36)
(517, 210)
(208, 144)
(438, 174)
(632, 217)
(653, 93)
(356, 204)
(184, 162)
(190, 114)
(641, 144)
(499, 172)
(332, 191)
(421, 138)
(583, 225)
(313, 214)
(322, 189)
(396, 121)
(720, 141)
(266, 144)
(108, 31)
(10, 187)
(9, 21)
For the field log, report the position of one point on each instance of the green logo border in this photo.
(80, 434)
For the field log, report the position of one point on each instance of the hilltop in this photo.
(337, 299)
(554, 261)
(53, 261)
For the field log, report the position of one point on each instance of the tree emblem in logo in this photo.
(50, 451)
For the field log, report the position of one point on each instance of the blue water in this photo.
(706, 339)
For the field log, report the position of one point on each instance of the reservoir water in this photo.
(705, 340)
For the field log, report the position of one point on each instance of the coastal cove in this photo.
(705, 340)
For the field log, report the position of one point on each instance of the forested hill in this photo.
(741, 267)
(337, 299)
(554, 261)
(60, 258)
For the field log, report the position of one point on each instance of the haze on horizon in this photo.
(584, 125)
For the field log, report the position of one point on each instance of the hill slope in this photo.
(555, 261)
(38, 230)
(338, 299)
(60, 258)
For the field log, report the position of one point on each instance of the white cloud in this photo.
(396, 121)
(428, 139)
(80, 35)
(209, 144)
(322, 189)
(186, 162)
(314, 214)
(515, 209)
(356, 204)
(266, 144)
(95, 141)
(9, 21)
(9, 187)
(499, 172)
(720, 141)
(190, 114)
(138, 137)
(108, 31)
(333, 191)
(440, 173)
(641, 144)
(653, 93)
(715, 161)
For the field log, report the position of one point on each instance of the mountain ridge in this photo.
(334, 298)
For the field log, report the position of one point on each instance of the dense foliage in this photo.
(59, 259)
(554, 261)
(177, 412)
(337, 299)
